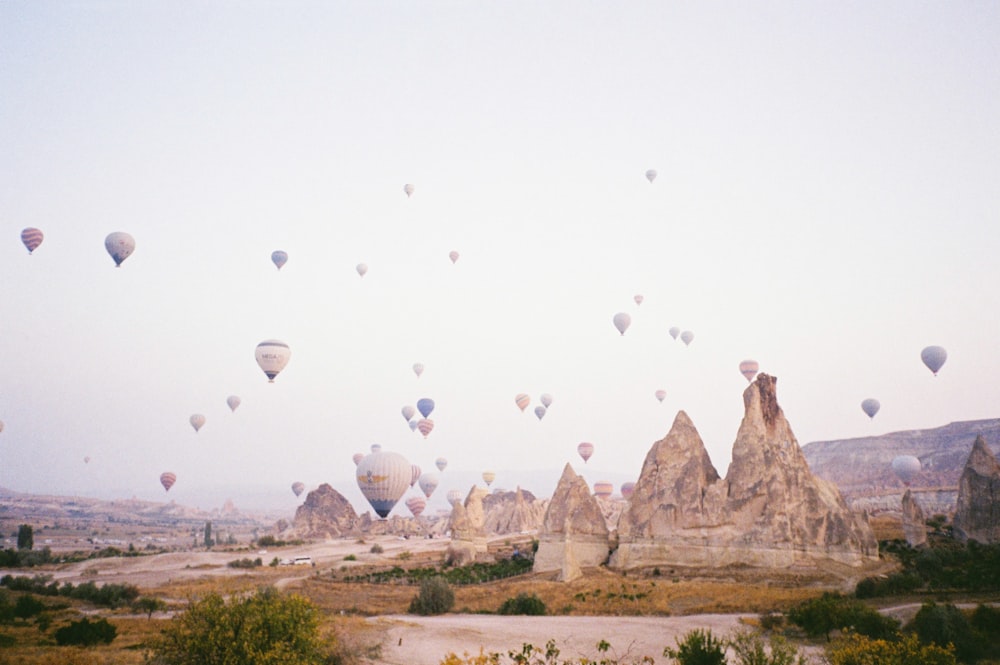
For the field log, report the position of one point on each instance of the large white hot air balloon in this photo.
(167, 479)
(651, 175)
(32, 238)
(428, 483)
(749, 369)
(298, 487)
(454, 496)
(383, 478)
(233, 401)
(934, 357)
(585, 450)
(622, 321)
(906, 468)
(279, 258)
(871, 406)
(197, 420)
(120, 246)
(272, 356)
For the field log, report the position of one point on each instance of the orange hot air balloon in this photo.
(167, 479)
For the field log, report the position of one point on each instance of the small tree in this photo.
(149, 604)
(25, 537)
(208, 534)
(435, 597)
(523, 603)
(698, 647)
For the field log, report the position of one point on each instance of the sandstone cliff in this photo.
(468, 529)
(914, 522)
(325, 514)
(513, 512)
(770, 511)
(977, 515)
(573, 534)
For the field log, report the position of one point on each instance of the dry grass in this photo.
(887, 527)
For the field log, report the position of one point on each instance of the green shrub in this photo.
(246, 563)
(831, 611)
(28, 606)
(435, 597)
(771, 620)
(86, 633)
(697, 647)
(376, 549)
(523, 603)
(350, 557)
(750, 648)
(946, 624)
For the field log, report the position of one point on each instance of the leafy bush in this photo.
(698, 647)
(435, 597)
(246, 563)
(376, 549)
(148, 605)
(771, 620)
(265, 628)
(350, 557)
(831, 611)
(28, 606)
(946, 624)
(523, 603)
(750, 648)
(854, 649)
(86, 633)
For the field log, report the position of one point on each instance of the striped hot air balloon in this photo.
(660, 395)
(489, 477)
(416, 505)
(522, 400)
(585, 450)
(453, 255)
(167, 479)
(425, 425)
(414, 474)
(120, 246)
(603, 489)
(454, 496)
(749, 369)
(32, 238)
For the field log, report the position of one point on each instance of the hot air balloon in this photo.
(298, 487)
(638, 298)
(871, 406)
(651, 175)
(32, 238)
(233, 401)
(546, 400)
(622, 321)
(425, 425)
(627, 489)
(376, 447)
(603, 489)
(197, 420)
(749, 369)
(272, 356)
(585, 450)
(934, 357)
(540, 411)
(362, 268)
(454, 496)
(357, 457)
(906, 467)
(86, 460)
(674, 332)
(413, 424)
(279, 258)
(489, 477)
(416, 505)
(418, 369)
(408, 188)
(425, 406)
(408, 412)
(414, 474)
(167, 479)
(428, 483)
(383, 478)
(661, 395)
(120, 246)
(522, 401)
(453, 255)
(686, 337)
(441, 463)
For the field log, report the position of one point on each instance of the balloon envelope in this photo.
(425, 406)
(522, 400)
(86, 460)
(686, 337)
(454, 496)
(627, 489)
(425, 426)
(489, 477)
(870, 406)
(453, 255)
(414, 474)
(32, 238)
(749, 369)
(546, 400)
(622, 321)
(651, 175)
(408, 412)
(382, 479)
(674, 332)
(233, 401)
(441, 463)
(934, 357)
(362, 268)
(428, 483)
(603, 489)
(540, 411)
(418, 369)
(272, 356)
(638, 298)
(298, 487)
(906, 468)
(376, 447)
(585, 450)
(408, 188)
(416, 505)
(357, 457)
(661, 395)
(279, 258)
(167, 479)
(197, 420)
(120, 246)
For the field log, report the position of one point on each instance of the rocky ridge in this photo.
(977, 514)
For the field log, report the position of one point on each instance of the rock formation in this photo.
(325, 514)
(770, 511)
(977, 515)
(914, 522)
(513, 512)
(468, 529)
(573, 534)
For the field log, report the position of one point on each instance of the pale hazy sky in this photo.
(828, 203)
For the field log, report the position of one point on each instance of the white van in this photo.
(302, 561)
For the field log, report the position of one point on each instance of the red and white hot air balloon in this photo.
(416, 505)
(749, 369)
(167, 479)
(585, 450)
(603, 489)
(522, 400)
(32, 238)
(425, 425)
(660, 395)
